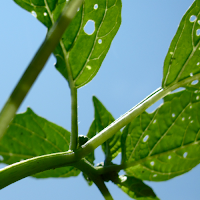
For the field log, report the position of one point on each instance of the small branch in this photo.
(37, 64)
(110, 130)
(119, 123)
(91, 172)
(74, 120)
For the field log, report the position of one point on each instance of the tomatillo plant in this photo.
(154, 146)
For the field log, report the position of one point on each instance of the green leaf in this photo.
(78, 51)
(183, 58)
(164, 144)
(103, 118)
(135, 188)
(30, 135)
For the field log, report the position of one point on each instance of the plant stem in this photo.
(74, 102)
(74, 120)
(22, 169)
(110, 130)
(91, 172)
(37, 64)
(74, 110)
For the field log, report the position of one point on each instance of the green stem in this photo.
(19, 170)
(37, 64)
(91, 172)
(74, 120)
(74, 101)
(110, 130)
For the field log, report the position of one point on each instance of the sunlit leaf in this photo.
(164, 144)
(135, 188)
(88, 38)
(183, 58)
(30, 135)
(103, 118)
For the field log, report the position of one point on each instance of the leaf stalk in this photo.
(74, 120)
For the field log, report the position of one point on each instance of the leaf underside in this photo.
(80, 50)
(30, 135)
(164, 144)
(135, 188)
(103, 118)
(183, 58)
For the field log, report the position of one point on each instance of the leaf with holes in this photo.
(182, 63)
(30, 135)
(164, 144)
(103, 118)
(135, 188)
(87, 40)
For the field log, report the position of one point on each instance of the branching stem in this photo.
(31, 166)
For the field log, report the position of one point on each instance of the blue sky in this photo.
(132, 70)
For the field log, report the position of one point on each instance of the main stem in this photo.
(37, 64)
(22, 169)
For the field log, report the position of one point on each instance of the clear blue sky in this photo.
(132, 70)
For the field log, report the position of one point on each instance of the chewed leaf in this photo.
(164, 144)
(183, 58)
(30, 135)
(103, 118)
(135, 188)
(91, 47)
(87, 40)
